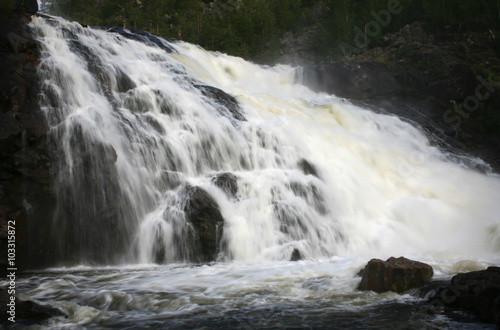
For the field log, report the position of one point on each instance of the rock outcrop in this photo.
(25, 173)
(226, 105)
(474, 292)
(394, 274)
(366, 80)
(202, 211)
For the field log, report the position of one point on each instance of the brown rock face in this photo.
(394, 274)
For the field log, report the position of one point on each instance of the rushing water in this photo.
(306, 294)
(137, 122)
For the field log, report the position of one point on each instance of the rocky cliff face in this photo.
(25, 176)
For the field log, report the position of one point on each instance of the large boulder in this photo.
(202, 211)
(394, 274)
(476, 292)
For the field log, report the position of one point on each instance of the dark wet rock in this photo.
(26, 312)
(107, 83)
(307, 167)
(89, 198)
(311, 194)
(227, 105)
(202, 211)
(25, 171)
(143, 36)
(123, 82)
(365, 80)
(29, 310)
(171, 179)
(9, 128)
(428, 289)
(296, 255)
(394, 274)
(476, 292)
(26, 6)
(289, 218)
(227, 182)
(86, 152)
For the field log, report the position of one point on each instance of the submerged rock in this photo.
(227, 182)
(227, 105)
(33, 311)
(296, 255)
(307, 168)
(394, 274)
(26, 312)
(143, 36)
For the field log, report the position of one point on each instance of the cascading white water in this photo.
(314, 172)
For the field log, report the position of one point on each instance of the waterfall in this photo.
(165, 152)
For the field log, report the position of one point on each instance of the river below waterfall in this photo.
(309, 294)
(140, 125)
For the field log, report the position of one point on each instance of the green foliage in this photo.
(249, 28)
